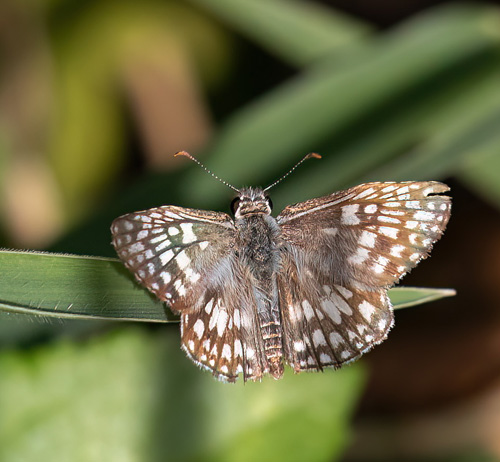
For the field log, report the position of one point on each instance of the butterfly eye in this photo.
(270, 202)
(235, 204)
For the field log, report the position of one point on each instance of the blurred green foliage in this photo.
(419, 101)
(134, 397)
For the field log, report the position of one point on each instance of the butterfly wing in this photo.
(340, 255)
(223, 336)
(173, 251)
(186, 258)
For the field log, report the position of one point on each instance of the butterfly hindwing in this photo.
(327, 325)
(222, 335)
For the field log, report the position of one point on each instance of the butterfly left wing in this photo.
(173, 251)
(186, 258)
(340, 255)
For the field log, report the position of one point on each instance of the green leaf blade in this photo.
(70, 286)
(75, 287)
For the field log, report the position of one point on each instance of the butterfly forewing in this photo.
(172, 251)
(369, 235)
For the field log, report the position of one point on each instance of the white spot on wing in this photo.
(318, 338)
(238, 351)
(423, 215)
(221, 322)
(331, 310)
(367, 310)
(388, 231)
(360, 256)
(165, 257)
(335, 339)
(199, 328)
(299, 346)
(236, 318)
(181, 290)
(308, 311)
(364, 193)
(385, 219)
(188, 235)
(346, 293)
(330, 231)
(159, 238)
(396, 250)
(367, 239)
(191, 275)
(182, 260)
(226, 352)
(324, 358)
(349, 216)
(165, 276)
(136, 247)
(208, 306)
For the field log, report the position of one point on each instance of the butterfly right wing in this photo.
(340, 255)
(326, 324)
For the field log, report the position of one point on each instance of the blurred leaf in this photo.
(305, 113)
(471, 128)
(363, 113)
(73, 287)
(137, 398)
(93, 50)
(299, 32)
(482, 171)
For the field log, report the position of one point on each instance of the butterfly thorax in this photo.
(258, 248)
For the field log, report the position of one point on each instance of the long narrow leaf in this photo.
(70, 286)
(74, 287)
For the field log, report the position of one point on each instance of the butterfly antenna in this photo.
(189, 156)
(308, 156)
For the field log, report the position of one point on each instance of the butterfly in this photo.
(307, 288)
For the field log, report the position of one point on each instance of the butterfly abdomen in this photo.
(258, 246)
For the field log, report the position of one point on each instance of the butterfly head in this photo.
(251, 201)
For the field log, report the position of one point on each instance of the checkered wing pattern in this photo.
(222, 335)
(172, 251)
(186, 258)
(341, 253)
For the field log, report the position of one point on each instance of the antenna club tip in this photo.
(182, 153)
(314, 155)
